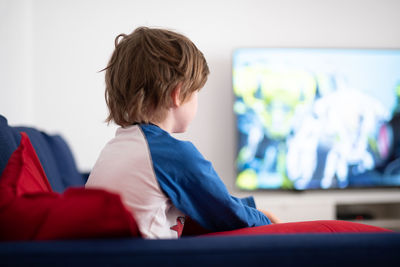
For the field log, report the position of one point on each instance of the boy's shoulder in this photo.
(174, 159)
(164, 145)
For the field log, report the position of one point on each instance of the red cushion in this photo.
(332, 226)
(29, 210)
(24, 173)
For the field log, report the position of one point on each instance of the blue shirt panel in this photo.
(194, 187)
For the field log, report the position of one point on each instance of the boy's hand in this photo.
(271, 217)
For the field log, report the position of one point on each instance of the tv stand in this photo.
(385, 214)
(378, 207)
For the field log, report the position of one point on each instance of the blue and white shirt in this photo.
(162, 179)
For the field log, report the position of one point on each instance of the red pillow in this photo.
(29, 210)
(328, 226)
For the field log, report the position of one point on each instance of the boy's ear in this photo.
(176, 95)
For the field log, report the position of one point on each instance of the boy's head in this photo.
(144, 69)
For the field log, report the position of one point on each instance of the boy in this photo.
(152, 80)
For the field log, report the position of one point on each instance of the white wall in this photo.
(51, 52)
(16, 87)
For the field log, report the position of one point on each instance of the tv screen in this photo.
(317, 118)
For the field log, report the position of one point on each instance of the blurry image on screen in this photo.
(316, 118)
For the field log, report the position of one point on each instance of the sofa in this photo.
(47, 218)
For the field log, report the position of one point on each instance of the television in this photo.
(317, 118)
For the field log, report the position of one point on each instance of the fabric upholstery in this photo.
(309, 250)
(9, 141)
(29, 210)
(324, 226)
(56, 158)
(53, 152)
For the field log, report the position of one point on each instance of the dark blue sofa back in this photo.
(53, 152)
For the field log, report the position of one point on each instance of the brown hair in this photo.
(144, 69)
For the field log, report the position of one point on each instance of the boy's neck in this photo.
(167, 124)
(163, 126)
(171, 123)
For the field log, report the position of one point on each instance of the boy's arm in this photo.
(249, 201)
(197, 191)
(272, 217)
